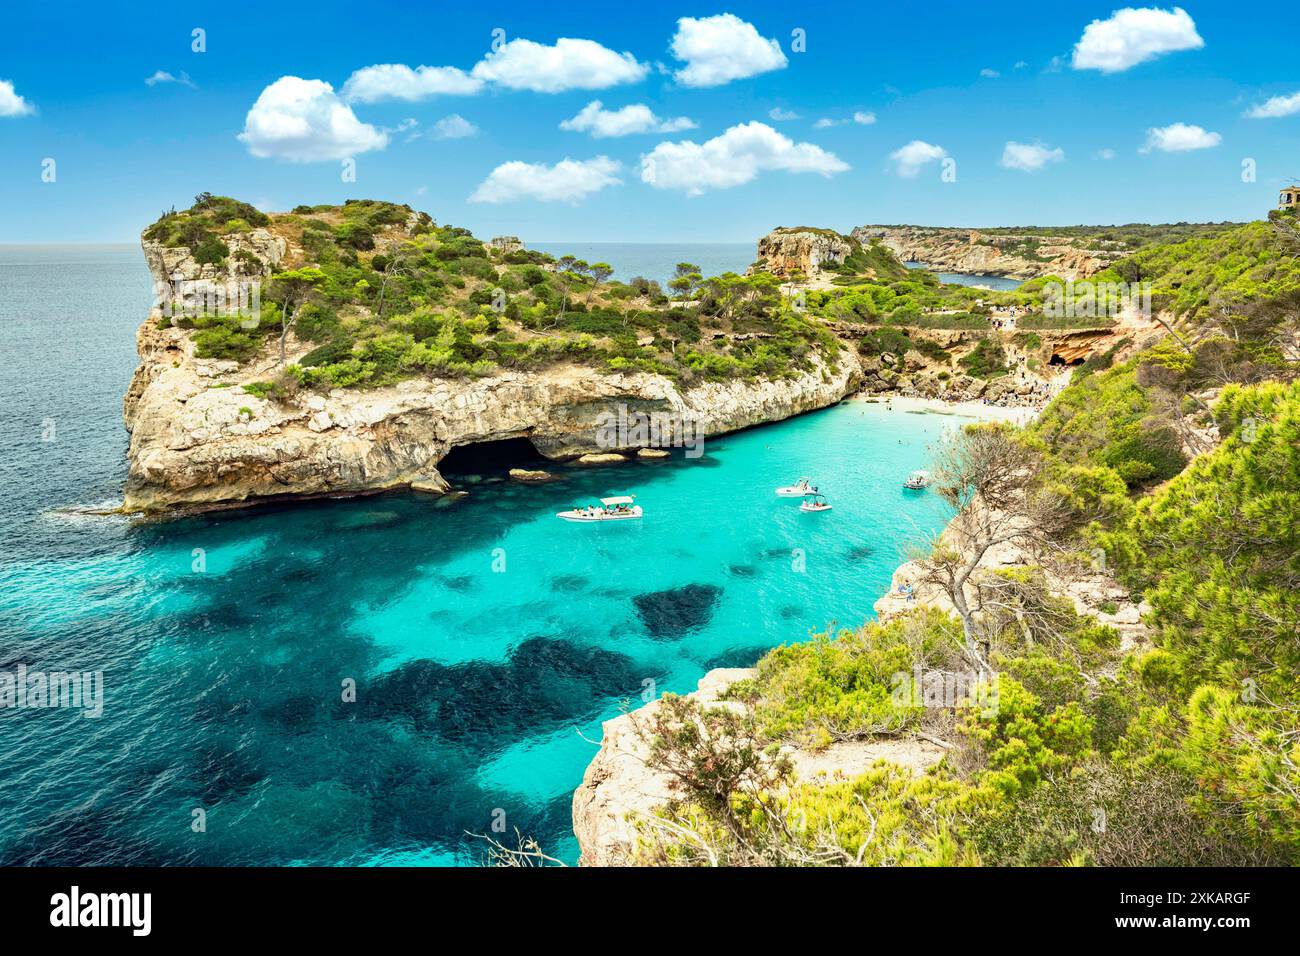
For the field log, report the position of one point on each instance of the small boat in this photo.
(813, 502)
(917, 480)
(619, 508)
(797, 490)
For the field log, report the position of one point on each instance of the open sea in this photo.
(656, 260)
(486, 639)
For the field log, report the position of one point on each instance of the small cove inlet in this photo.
(485, 639)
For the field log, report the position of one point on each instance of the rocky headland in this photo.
(979, 253)
(202, 436)
(803, 252)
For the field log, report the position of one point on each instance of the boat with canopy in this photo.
(797, 490)
(814, 502)
(618, 508)
(917, 481)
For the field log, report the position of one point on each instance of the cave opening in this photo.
(490, 458)
(1057, 360)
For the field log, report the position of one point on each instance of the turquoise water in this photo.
(996, 283)
(486, 637)
(657, 260)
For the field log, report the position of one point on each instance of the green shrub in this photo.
(987, 360)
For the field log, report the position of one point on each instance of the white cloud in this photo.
(395, 81)
(911, 158)
(303, 121)
(778, 115)
(1030, 157)
(1179, 138)
(568, 65)
(11, 104)
(717, 50)
(1020, 65)
(733, 158)
(1132, 36)
(1276, 107)
(567, 181)
(1106, 153)
(162, 76)
(989, 74)
(861, 117)
(636, 118)
(454, 126)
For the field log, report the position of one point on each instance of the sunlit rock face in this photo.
(976, 253)
(199, 441)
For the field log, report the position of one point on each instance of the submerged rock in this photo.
(530, 475)
(677, 611)
(437, 485)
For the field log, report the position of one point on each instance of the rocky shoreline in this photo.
(973, 252)
(619, 786)
(198, 441)
(201, 441)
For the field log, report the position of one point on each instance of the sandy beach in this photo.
(1019, 415)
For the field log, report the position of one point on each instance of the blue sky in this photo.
(1063, 133)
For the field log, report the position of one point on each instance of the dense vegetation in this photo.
(1176, 474)
(1129, 237)
(381, 293)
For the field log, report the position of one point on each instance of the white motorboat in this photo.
(620, 508)
(797, 490)
(917, 480)
(812, 502)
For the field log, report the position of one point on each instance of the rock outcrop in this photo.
(505, 244)
(619, 787)
(787, 253)
(199, 440)
(978, 253)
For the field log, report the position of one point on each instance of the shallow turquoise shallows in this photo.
(487, 639)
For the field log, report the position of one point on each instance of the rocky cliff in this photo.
(200, 440)
(978, 253)
(804, 252)
(619, 787)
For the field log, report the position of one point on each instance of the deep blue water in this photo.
(657, 260)
(486, 638)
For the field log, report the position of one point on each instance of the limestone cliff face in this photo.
(971, 251)
(198, 440)
(806, 252)
(914, 373)
(255, 253)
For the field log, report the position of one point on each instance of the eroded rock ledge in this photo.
(199, 441)
(196, 441)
